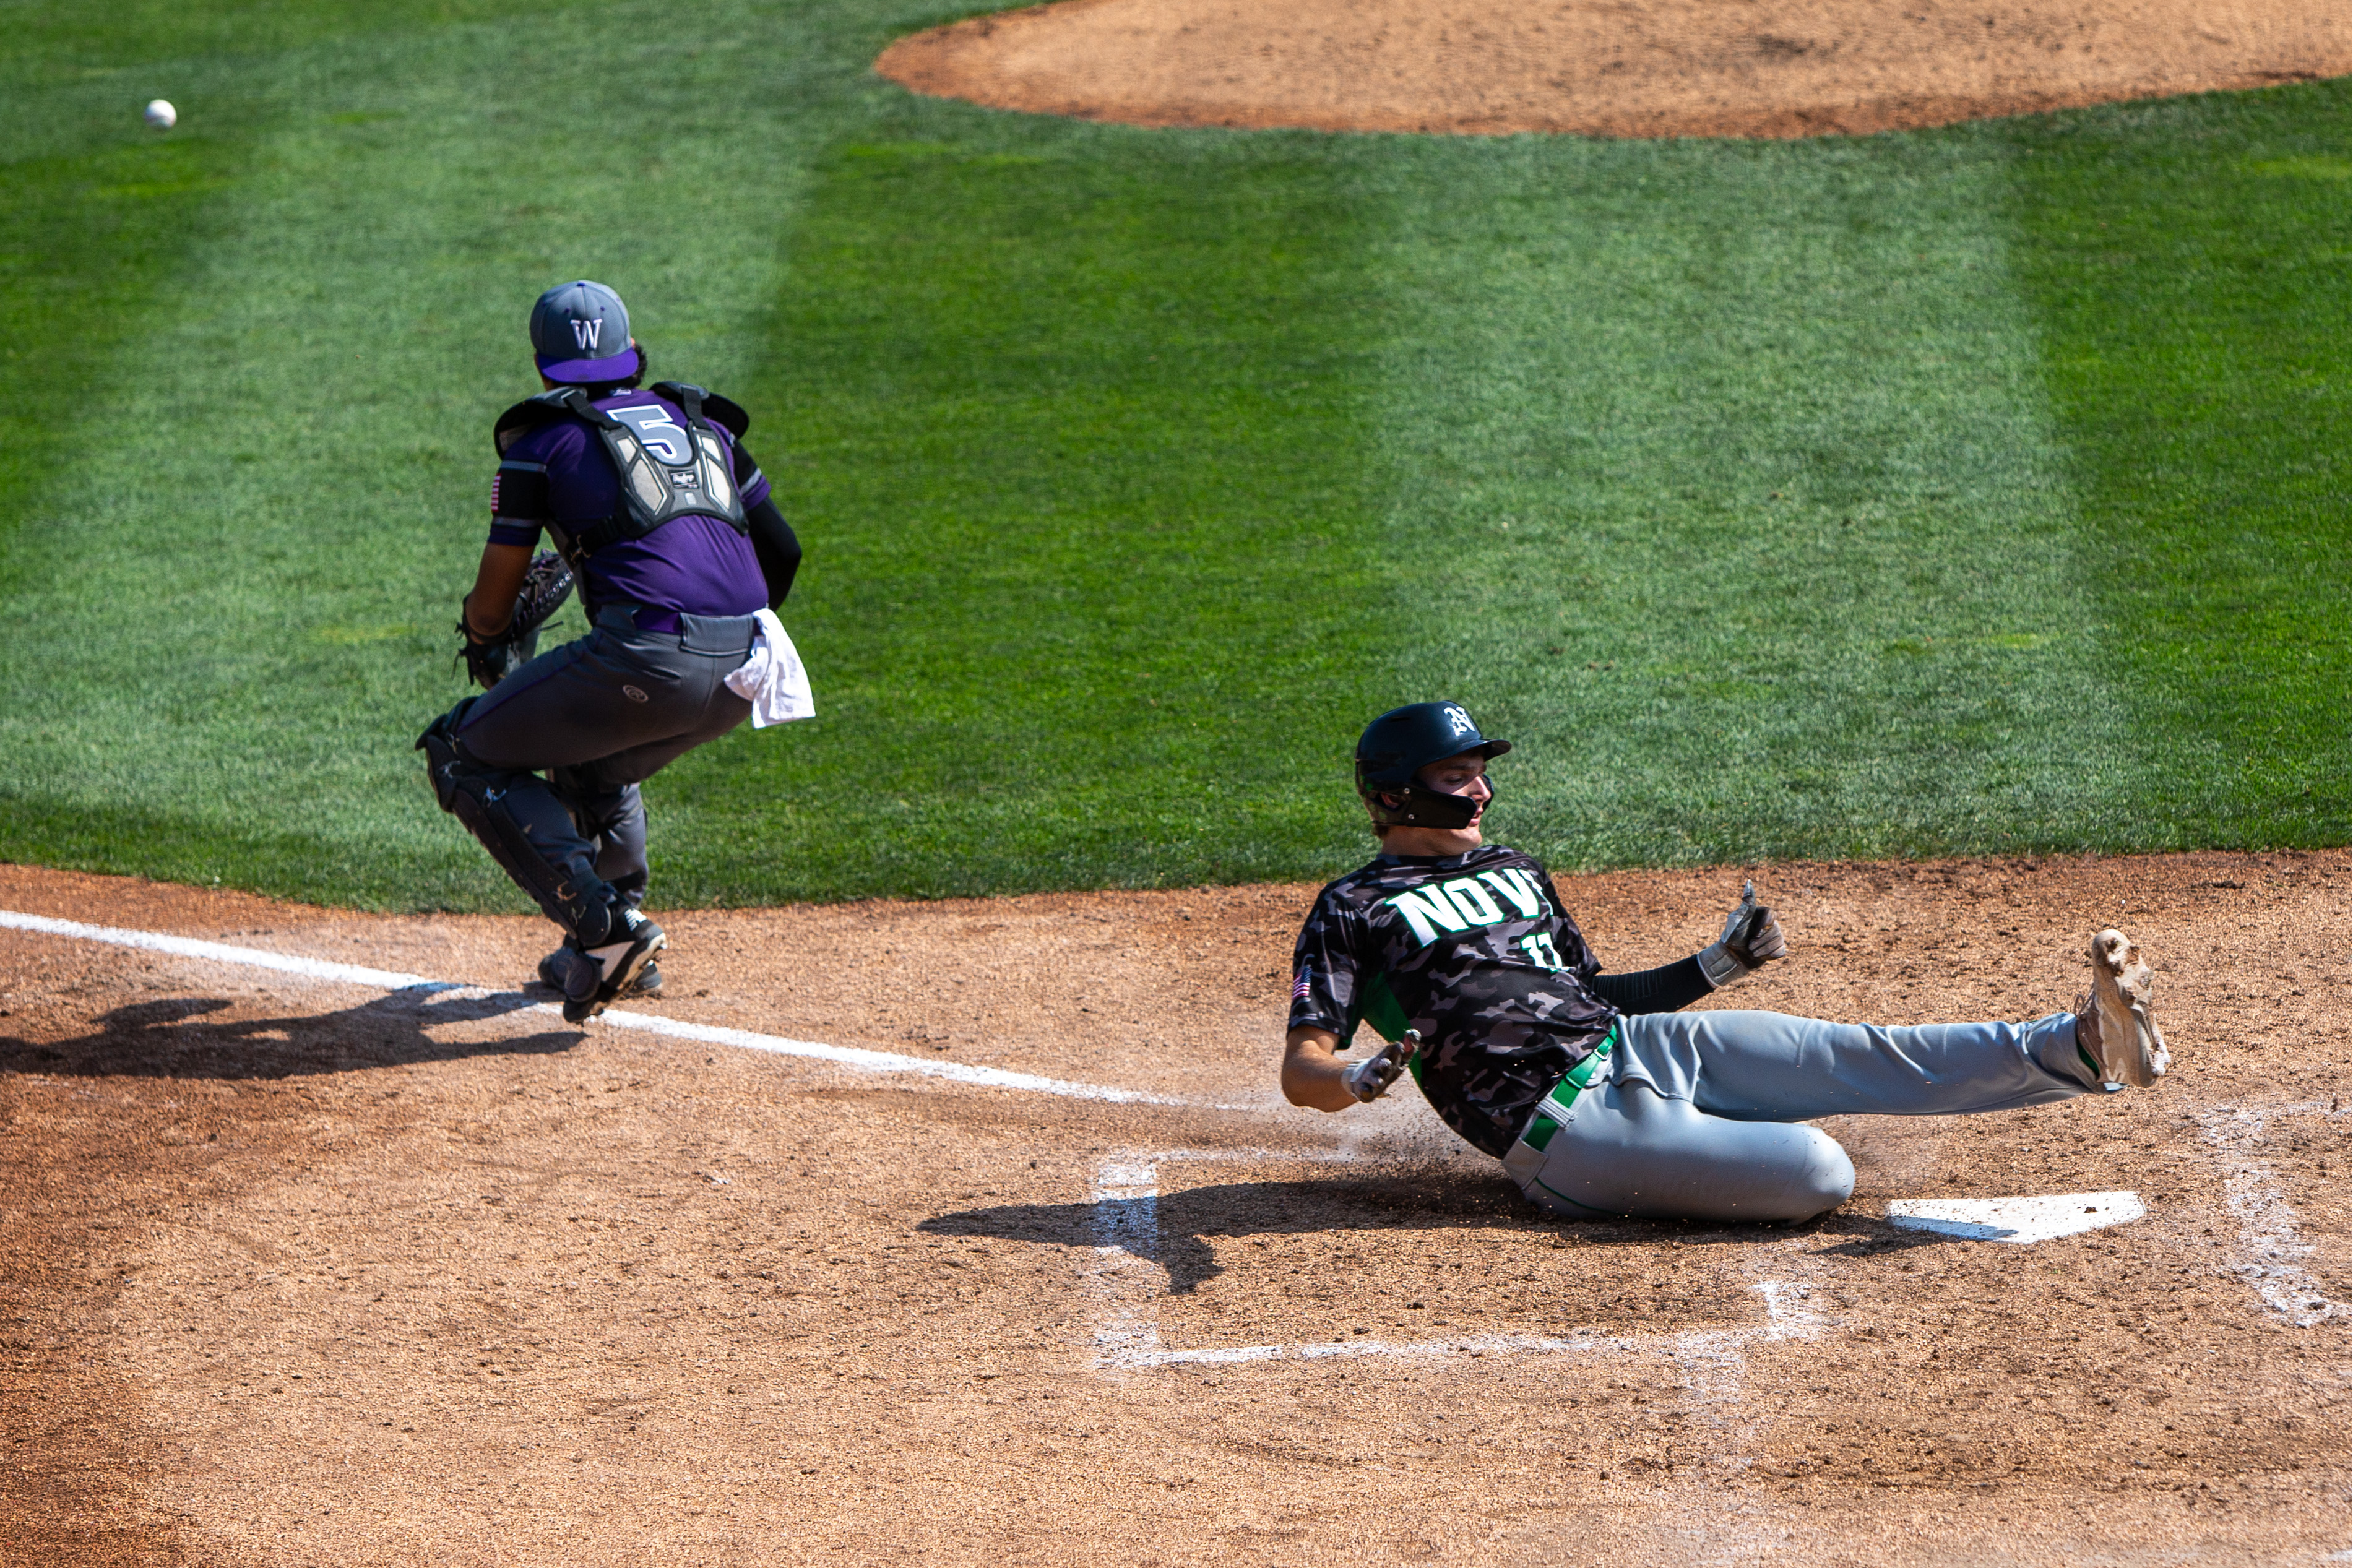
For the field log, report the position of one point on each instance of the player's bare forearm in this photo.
(492, 603)
(1312, 1070)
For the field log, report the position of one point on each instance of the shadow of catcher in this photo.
(180, 1037)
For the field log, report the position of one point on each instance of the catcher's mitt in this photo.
(547, 583)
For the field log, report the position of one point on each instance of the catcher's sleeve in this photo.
(778, 548)
(773, 539)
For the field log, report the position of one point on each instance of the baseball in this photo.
(162, 115)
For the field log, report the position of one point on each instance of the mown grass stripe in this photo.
(1072, 424)
(2175, 257)
(1729, 490)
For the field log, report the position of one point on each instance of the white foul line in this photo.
(875, 1061)
(705, 1033)
(220, 953)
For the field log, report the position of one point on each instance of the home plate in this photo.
(2023, 1220)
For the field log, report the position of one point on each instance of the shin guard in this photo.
(528, 831)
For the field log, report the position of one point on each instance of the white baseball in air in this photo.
(162, 115)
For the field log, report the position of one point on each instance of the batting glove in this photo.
(1369, 1080)
(1751, 938)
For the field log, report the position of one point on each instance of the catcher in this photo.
(1599, 1097)
(665, 522)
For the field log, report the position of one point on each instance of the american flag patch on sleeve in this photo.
(1306, 986)
(494, 493)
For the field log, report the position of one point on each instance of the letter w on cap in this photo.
(585, 333)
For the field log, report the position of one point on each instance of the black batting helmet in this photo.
(1399, 744)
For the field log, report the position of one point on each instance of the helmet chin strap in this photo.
(1424, 807)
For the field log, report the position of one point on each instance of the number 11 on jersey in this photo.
(1541, 952)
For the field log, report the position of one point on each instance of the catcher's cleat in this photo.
(2121, 1036)
(597, 976)
(556, 964)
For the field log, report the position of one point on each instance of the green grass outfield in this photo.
(1976, 490)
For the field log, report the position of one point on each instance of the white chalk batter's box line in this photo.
(2267, 1226)
(1128, 1270)
(2267, 1223)
(1127, 1244)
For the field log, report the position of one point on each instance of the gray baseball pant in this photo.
(1697, 1115)
(597, 715)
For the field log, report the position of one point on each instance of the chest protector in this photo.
(666, 471)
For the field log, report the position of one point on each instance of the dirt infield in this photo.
(295, 1270)
(1668, 67)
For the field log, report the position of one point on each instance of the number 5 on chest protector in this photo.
(667, 469)
(658, 433)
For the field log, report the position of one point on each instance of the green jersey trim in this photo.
(1379, 1007)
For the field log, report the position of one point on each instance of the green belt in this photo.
(1552, 1112)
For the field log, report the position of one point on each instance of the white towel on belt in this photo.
(772, 680)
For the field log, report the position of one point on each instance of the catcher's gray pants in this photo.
(597, 715)
(1697, 1115)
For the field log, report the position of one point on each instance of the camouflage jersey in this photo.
(1476, 951)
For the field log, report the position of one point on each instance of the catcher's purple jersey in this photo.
(1476, 951)
(693, 566)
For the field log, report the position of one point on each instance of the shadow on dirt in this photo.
(1873, 1237)
(1175, 1229)
(178, 1038)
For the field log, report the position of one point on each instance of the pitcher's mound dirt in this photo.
(1602, 67)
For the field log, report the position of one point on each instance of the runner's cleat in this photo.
(2123, 1038)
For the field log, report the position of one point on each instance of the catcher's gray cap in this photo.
(580, 332)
